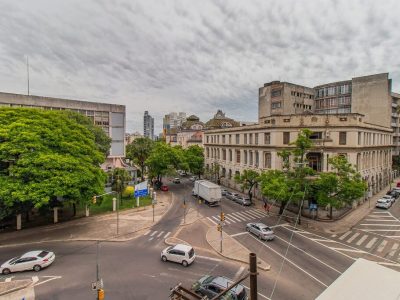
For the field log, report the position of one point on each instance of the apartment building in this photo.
(173, 120)
(110, 117)
(148, 125)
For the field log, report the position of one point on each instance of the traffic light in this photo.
(222, 216)
(94, 199)
(100, 294)
(219, 228)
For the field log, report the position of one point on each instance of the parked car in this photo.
(180, 253)
(390, 198)
(245, 201)
(262, 231)
(33, 260)
(394, 193)
(211, 286)
(231, 195)
(176, 180)
(383, 203)
(224, 192)
(398, 184)
(193, 178)
(164, 188)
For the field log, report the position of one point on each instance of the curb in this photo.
(235, 259)
(169, 242)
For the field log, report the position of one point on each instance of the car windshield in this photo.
(14, 259)
(191, 253)
(382, 201)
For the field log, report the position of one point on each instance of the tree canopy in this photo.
(139, 151)
(47, 155)
(248, 179)
(194, 158)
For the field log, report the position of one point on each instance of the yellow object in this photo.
(94, 199)
(100, 294)
(219, 227)
(222, 216)
(128, 191)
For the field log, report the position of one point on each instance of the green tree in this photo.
(119, 178)
(248, 179)
(47, 155)
(139, 151)
(341, 186)
(163, 160)
(194, 158)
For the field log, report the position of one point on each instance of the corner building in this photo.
(348, 129)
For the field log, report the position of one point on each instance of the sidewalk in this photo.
(93, 228)
(332, 227)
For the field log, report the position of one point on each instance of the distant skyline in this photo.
(195, 57)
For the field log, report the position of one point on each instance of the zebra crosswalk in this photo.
(156, 235)
(239, 216)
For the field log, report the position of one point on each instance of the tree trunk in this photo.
(282, 207)
(142, 170)
(330, 212)
(74, 209)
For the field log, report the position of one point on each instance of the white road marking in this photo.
(154, 232)
(227, 222)
(8, 279)
(35, 279)
(237, 274)
(239, 216)
(291, 262)
(256, 213)
(208, 258)
(380, 220)
(390, 225)
(394, 248)
(211, 220)
(322, 240)
(215, 218)
(234, 218)
(230, 219)
(147, 232)
(365, 236)
(380, 212)
(150, 239)
(371, 242)
(259, 294)
(333, 235)
(389, 264)
(382, 229)
(160, 234)
(382, 246)
(349, 250)
(312, 256)
(237, 234)
(50, 278)
(168, 233)
(353, 237)
(246, 213)
(344, 235)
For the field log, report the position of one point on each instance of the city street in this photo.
(303, 263)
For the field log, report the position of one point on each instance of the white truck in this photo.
(210, 192)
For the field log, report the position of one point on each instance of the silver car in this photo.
(245, 201)
(262, 231)
(231, 195)
(33, 260)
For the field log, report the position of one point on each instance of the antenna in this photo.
(27, 71)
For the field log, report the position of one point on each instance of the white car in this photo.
(262, 231)
(180, 253)
(389, 197)
(383, 203)
(33, 260)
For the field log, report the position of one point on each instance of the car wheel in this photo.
(6, 271)
(164, 258)
(185, 263)
(37, 268)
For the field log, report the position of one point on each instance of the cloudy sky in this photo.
(192, 56)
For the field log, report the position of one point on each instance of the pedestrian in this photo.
(268, 207)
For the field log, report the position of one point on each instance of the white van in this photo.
(180, 253)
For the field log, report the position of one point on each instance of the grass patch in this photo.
(106, 205)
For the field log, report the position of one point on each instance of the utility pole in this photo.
(253, 276)
(221, 224)
(99, 281)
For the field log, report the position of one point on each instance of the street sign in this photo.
(141, 189)
(313, 206)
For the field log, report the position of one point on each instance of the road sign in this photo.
(313, 206)
(141, 189)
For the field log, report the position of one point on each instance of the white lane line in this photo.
(258, 213)
(353, 237)
(160, 234)
(291, 262)
(237, 234)
(371, 242)
(382, 246)
(50, 279)
(248, 215)
(150, 239)
(230, 219)
(239, 216)
(344, 235)
(381, 220)
(154, 232)
(35, 279)
(211, 220)
(365, 236)
(312, 256)
(323, 240)
(253, 215)
(227, 222)
(238, 273)
(389, 264)
(369, 229)
(389, 225)
(392, 236)
(9, 279)
(349, 250)
(333, 235)
(208, 258)
(380, 212)
(215, 218)
(168, 233)
(147, 232)
(234, 218)
(394, 248)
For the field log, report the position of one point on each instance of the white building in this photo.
(148, 125)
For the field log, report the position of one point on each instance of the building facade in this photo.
(173, 120)
(110, 117)
(148, 125)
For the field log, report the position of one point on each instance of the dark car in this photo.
(394, 193)
(211, 286)
(231, 195)
(245, 201)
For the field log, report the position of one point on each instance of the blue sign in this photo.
(141, 193)
(313, 206)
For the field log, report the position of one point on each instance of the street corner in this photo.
(226, 246)
(190, 217)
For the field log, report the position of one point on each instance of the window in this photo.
(250, 138)
(230, 139)
(245, 157)
(223, 139)
(276, 105)
(251, 158)
(342, 138)
(359, 138)
(276, 93)
(230, 155)
(267, 138)
(207, 152)
(237, 139)
(223, 154)
(238, 156)
(286, 138)
(256, 138)
(257, 158)
(316, 135)
(267, 160)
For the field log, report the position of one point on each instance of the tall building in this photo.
(173, 120)
(111, 117)
(148, 125)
